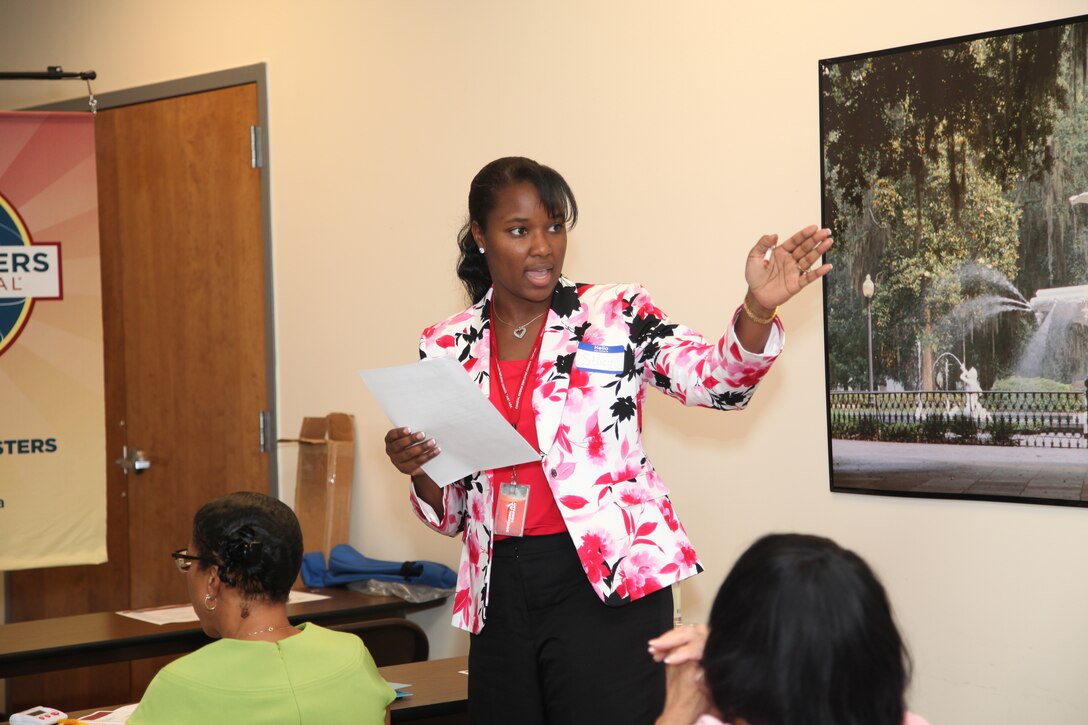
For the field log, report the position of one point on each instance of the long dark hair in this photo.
(254, 539)
(801, 632)
(555, 195)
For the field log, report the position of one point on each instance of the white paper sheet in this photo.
(119, 716)
(437, 397)
(174, 613)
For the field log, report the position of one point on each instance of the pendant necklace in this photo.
(519, 330)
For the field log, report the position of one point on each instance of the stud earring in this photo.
(481, 249)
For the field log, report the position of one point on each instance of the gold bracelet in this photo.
(758, 320)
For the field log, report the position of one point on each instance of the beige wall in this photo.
(686, 129)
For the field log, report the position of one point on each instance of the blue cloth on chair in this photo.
(348, 565)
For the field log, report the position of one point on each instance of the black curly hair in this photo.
(555, 196)
(254, 539)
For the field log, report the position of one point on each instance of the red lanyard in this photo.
(513, 408)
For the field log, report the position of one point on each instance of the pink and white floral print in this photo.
(589, 425)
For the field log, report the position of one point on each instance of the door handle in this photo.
(133, 460)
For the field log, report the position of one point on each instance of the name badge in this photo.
(600, 358)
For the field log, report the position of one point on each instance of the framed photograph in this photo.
(955, 182)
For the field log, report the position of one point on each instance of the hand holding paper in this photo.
(437, 397)
(408, 450)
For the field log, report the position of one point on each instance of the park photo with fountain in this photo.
(955, 181)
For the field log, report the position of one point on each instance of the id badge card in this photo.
(513, 505)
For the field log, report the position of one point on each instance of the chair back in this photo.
(392, 641)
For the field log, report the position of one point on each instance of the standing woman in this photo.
(560, 600)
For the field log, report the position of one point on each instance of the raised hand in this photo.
(776, 277)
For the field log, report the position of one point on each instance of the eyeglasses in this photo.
(183, 559)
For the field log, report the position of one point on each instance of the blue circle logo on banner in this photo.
(28, 271)
(15, 308)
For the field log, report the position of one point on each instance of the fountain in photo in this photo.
(1049, 359)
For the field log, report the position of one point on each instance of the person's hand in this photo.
(409, 451)
(773, 279)
(679, 645)
(686, 695)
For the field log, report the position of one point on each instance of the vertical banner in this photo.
(52, 390)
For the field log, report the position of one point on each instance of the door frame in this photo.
(258, 74)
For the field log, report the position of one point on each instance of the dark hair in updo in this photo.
(254, 539)
(801, 632)
(555, 196)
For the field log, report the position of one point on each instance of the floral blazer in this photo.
(589, 424)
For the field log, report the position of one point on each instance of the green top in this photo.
(317, 676)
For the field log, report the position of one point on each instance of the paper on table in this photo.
(119, 716)
(170, 614)
(401, 688)
(437, 397)
(174, 613)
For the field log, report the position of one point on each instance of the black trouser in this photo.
(552, 652)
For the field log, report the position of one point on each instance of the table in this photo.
(439, 692)
(58, 643)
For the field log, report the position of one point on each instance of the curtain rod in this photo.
(51, 73)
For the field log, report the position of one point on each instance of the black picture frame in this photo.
(954, 178)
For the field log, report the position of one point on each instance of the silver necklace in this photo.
(519, 330)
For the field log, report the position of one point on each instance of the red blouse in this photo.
(542, 516)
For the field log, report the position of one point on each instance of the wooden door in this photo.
(186, 368)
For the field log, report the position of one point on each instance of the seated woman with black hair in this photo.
(244, 555)
(801, 633)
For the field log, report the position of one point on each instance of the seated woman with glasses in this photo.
(244, 555)
(801, 632)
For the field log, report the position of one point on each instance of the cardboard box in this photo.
(326, 456)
